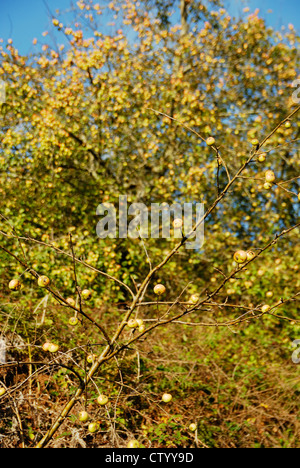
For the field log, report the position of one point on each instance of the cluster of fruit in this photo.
(210, 141)
(102, 400)
(15, 284)
(241, 256)
(269, 175)
(136, 323)
(269, 179)
(44, 282)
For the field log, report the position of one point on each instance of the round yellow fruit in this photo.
(73, 321)
(102, 400)
(254, 142)
(46, 346)
(53, 348)
(43, 281)
(71, 301)
(2, 391)
(262, 157)
(159, 289)
(86, 294)
(270, 176)
(83, 416)
(193, 427)
(133, 444)
(265, 308)
(250, 255)
(132, 323)
(240, 256)
(177, 223)
(194, 298)
(91, 358)
(94, 427)
(15, 285)
(166, 398)
(210, 141)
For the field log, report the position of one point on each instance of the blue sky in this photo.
(23, 20)
(283, 11)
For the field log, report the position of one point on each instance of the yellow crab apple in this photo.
(14, 285)
(250, 255)
(83, 416)
(2, 391)
(91, 358)
(166, 398)
(86, 294)
(194, 298)
(46, 346)
(132, 323)
(43, 281)
(141, 325)
(133, 444)
(159, 289)
(240, 256)
(73, 321)
(193, 427)
(177, 223)
(102, 400)
(94, 427)
(270, 176)
(53, 347)
(210, 141)
(262, 157)
(71, 301)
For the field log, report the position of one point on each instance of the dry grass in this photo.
(241, 389)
